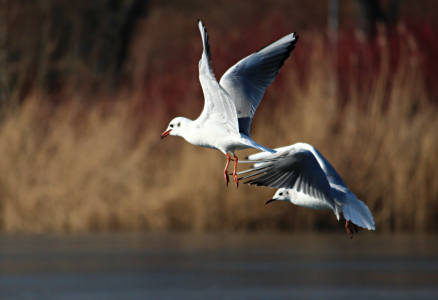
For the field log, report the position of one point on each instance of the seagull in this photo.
(230, 104)
(305, 178)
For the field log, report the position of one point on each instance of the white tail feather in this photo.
(338, 208)
(260, 155)
(253, 144)
(263, 155)
(262, 148)
(336, 212)
(357, 212)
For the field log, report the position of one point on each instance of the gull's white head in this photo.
(281, 195)
(176, 127)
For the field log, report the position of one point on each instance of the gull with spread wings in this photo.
(305, 178)
(231, 103)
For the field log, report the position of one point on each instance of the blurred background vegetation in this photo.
(87, 87)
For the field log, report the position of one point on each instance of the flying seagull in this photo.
(231, 103)
(305, 178)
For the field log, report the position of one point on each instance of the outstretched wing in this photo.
(299, 170)
(218, 106)
(247, 80)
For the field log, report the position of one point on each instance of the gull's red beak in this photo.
(166, 133)
(270, 200)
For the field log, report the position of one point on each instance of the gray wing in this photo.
(298, 170)
(330, 172)
(247, 80)
(218, 106)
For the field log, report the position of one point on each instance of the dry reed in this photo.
(76, 167)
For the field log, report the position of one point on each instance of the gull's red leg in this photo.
(235, 173)
(227, 179)
(350, 227)
(355, 227)
(350, 234)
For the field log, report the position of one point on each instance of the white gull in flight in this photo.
(231, 103)
(306, 178)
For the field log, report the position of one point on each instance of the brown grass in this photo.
(96, 162)
(76, 167)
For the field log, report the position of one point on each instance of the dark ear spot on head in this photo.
(179, 124)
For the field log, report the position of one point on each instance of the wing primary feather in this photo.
(255, 174)
(313, 192)
(206, 43)
(252, 170)
(271, 179)
(247, 80)
(263, 178)
(291, 181)
(284, 179)
(218, 103)
(298, 184)
(307, 186)
(279, 182)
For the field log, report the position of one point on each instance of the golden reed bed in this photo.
(96, 162)
(77, 167)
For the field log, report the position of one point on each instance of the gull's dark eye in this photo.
(281, 194)
(171, 125)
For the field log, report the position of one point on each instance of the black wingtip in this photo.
(289, 48)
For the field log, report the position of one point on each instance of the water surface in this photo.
(218, 266)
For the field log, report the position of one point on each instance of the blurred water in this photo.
(218, 266)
